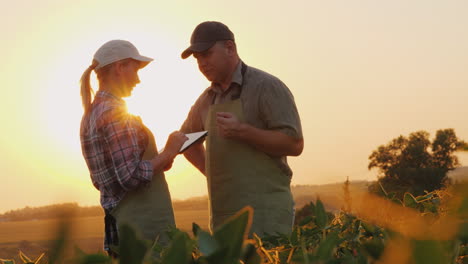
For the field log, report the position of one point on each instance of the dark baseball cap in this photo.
(205, 35)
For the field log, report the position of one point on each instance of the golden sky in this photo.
(362, 73)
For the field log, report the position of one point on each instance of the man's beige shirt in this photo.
(267, 104)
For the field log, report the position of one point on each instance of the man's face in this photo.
(212, 62)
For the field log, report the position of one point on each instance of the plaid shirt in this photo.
(113, 142)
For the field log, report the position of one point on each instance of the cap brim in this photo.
(197, 47)
(143, 60)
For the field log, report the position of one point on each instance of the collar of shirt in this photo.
(105, 95)
(236, 79)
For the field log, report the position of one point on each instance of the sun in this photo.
(169, 87)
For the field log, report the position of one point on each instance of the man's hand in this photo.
(274, 143)
(228, 125)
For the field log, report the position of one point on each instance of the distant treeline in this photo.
(75, 210)
(51, 212)
(303, 194)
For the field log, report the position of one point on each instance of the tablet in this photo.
(192, 139)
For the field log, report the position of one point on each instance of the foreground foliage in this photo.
(431, 228)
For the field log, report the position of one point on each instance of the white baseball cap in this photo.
(116, 50)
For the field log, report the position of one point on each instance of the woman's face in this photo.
(129, 76)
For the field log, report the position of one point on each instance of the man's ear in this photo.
(230, 46)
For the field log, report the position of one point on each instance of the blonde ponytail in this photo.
(86, 91)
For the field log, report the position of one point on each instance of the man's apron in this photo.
(148, 209)
(239, 175)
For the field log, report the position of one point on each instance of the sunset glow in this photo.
(362, 73)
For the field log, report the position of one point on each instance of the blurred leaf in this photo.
(423, 198)
(410, 201)
(356, 226)
(306, 220)
(131, 248)
(397, 201)
(195, 229)
(463, 250)
(374, 247)
(429, 252)
(57, 249)
(231, 235)
(463, 232)
(369, 228)
(179, 250)
(392, 195)
(463, 208)
(429, 207)
(326, 247)
(94, 259)
(382, 190)
(321, 217)
(7, 261)
(250, 255)
(206, 243)
(295, 236)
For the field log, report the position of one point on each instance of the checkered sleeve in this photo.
(127, 140)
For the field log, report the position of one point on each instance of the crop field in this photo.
(33, 237)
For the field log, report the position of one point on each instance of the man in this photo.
(253, 125)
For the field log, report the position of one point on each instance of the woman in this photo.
(120, 151)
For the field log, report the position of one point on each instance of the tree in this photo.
(415, 164)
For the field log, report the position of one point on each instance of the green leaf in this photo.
(206, 243)
(463, 232)
(397, 201)
(373, 247)
(382, 190)
(250, 255)
(57, 251)
(321, 217)
(295, 236)
(195, 229)
(410, 201)
(430, 252)
(356, 226)
(131, 248)
(95, 259)
(306, 220)
(422, 198)
(369, 228)
(429, 207)
(231, 235)
(325, 248)
(179, 250)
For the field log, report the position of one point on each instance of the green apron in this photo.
(239, 175)
(148, 209)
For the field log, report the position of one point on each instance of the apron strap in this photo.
(238, 94)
